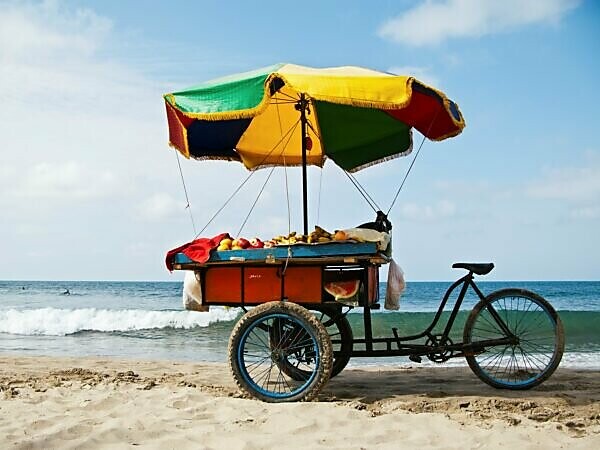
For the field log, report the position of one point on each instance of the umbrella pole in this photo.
(303, 105)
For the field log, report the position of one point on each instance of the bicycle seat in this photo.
(477, 268)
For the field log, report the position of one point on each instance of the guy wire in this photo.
(187, 206)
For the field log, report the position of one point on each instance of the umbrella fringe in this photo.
(264, 103)
(406, 152)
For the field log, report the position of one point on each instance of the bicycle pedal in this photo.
(415, 358)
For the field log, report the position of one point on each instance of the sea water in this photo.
(146, 320)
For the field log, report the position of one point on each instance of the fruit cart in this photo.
(295, 335)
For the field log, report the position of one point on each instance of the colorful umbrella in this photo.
(294, 115)
(356, 117)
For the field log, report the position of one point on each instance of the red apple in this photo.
(244, 243)
(256, 243)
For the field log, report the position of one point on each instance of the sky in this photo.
(90, 189)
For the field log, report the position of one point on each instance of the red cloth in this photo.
(197, 250)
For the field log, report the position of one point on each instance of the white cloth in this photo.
(368, 235)
(192, 293)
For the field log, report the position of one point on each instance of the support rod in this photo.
(303, 106)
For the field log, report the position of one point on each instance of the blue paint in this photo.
(297, 251)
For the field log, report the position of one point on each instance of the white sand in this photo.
(96, 403)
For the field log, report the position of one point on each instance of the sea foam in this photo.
(61, 322)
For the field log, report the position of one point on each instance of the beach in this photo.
(90, 402)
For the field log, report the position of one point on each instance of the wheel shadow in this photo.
(576, 387)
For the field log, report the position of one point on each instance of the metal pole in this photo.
(303, 106)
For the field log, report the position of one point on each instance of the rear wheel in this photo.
(339, 331)
(535, 333)
(276, 335)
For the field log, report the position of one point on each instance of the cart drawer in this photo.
(303, 284)
(261, 284)
(223, 285)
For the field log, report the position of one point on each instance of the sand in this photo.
(109, 403)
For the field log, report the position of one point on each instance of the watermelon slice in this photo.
(342, 289)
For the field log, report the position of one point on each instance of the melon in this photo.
(342, 289)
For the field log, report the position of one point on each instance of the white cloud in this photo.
(24, 37)
(588, 212)
(423, 74)
(427, 213)
(432, 22)
(160, 206)
(65, 181)
(580, 184)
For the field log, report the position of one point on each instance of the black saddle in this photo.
(477, 268)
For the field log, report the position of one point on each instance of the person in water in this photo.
(67, 292)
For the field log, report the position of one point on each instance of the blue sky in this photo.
(89, 188)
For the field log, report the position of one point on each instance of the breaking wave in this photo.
(61, 322)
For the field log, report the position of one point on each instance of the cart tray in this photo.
(297, 251)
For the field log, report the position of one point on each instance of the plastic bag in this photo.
(192, 293)
(395, 287)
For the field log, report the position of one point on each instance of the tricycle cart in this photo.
(297, 336)
(294, 335)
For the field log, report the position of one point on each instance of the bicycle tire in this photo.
(535, 324)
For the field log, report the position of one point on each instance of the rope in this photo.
(287, 197)
(239, 233)
(187, 206)
(247, 178)
(356, 185)
(287, 192)
(319, 197)
(265, 183)
(413, 162)
(364, 190)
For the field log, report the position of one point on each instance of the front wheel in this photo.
(275, 335)
(516, 339)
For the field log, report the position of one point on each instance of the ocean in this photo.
(146, 320)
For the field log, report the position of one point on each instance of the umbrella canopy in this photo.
(354, 116)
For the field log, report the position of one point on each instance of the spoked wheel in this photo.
(533, 339)
(339, 331)
(279, 335)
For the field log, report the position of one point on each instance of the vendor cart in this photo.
(294, 335)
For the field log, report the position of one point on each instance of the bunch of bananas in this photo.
(319, 235)
(290, 239)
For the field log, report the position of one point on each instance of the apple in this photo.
(269, 244)
(256, 243)
(223, 247)
(244, 243)
(228, 242)
(237, 247)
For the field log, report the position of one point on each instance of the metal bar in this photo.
(438, 314)
(303, 106)
(493, 312)
(459, 301)
(368, 329)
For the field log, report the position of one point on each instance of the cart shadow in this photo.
(376, 385)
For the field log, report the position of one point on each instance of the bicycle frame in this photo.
(440, 343)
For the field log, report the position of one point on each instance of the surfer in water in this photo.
(67, 292)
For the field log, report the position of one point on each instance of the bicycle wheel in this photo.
(537, 341)
(276, 335)
(339, 331)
